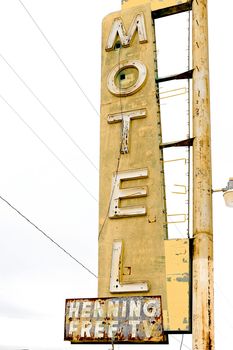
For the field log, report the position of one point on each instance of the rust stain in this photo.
(126, 319)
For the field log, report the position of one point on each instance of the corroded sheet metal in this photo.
(179, 286)
(122, 320)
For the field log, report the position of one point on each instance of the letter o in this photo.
(126, 78)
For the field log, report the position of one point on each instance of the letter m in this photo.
(118, 29)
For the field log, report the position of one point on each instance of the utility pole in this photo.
(203, 322)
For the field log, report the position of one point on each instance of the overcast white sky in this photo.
(35, 277)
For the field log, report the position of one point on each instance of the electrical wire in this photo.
(48, 111)
(48, 237)
(49, 149)
(118, 159)
(184, 345)
(59, 58)
(113, 188)
(182, 341)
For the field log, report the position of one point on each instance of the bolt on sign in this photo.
(124, 320)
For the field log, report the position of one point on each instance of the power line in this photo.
(48, 237)
(48, 148)
(184, 345)
(182, 340)
(59, 57)
(118, 164)
(48, 111)
(110, 200)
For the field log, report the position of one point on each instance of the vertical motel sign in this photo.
(143, 280)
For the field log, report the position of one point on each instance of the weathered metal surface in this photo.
(132, 240)
(132, 209)
(203, 320)
(179, 285)
(120, 320)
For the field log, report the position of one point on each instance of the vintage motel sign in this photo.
(137, 262)
(135, 257)
(132, 207)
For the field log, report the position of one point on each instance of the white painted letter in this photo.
(113, 308)
(99, 329)
(118, 28)
(115, 284)
(135, 308)
(126, 78)
(99, 309)
(112, 329)
(117, 193)
(125, 118)
(124, 309)
(73, 327)
(73, 308)
(148, 328)
(152, 308)
(134, 325)
(86, 310)
(85, 330)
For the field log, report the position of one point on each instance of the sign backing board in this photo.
(132, 220)
(122, 320)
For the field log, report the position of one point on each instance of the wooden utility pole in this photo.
(203, 323)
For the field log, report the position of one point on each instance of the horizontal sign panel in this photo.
(122, 320)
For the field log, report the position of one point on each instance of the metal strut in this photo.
(182, 143)
(185, 75)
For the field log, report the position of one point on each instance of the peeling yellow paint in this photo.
(178, 267)
(155, 4)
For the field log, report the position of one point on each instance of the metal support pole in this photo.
(203, 322)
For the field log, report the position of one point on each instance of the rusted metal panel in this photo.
(179, 285)
(120, 320)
